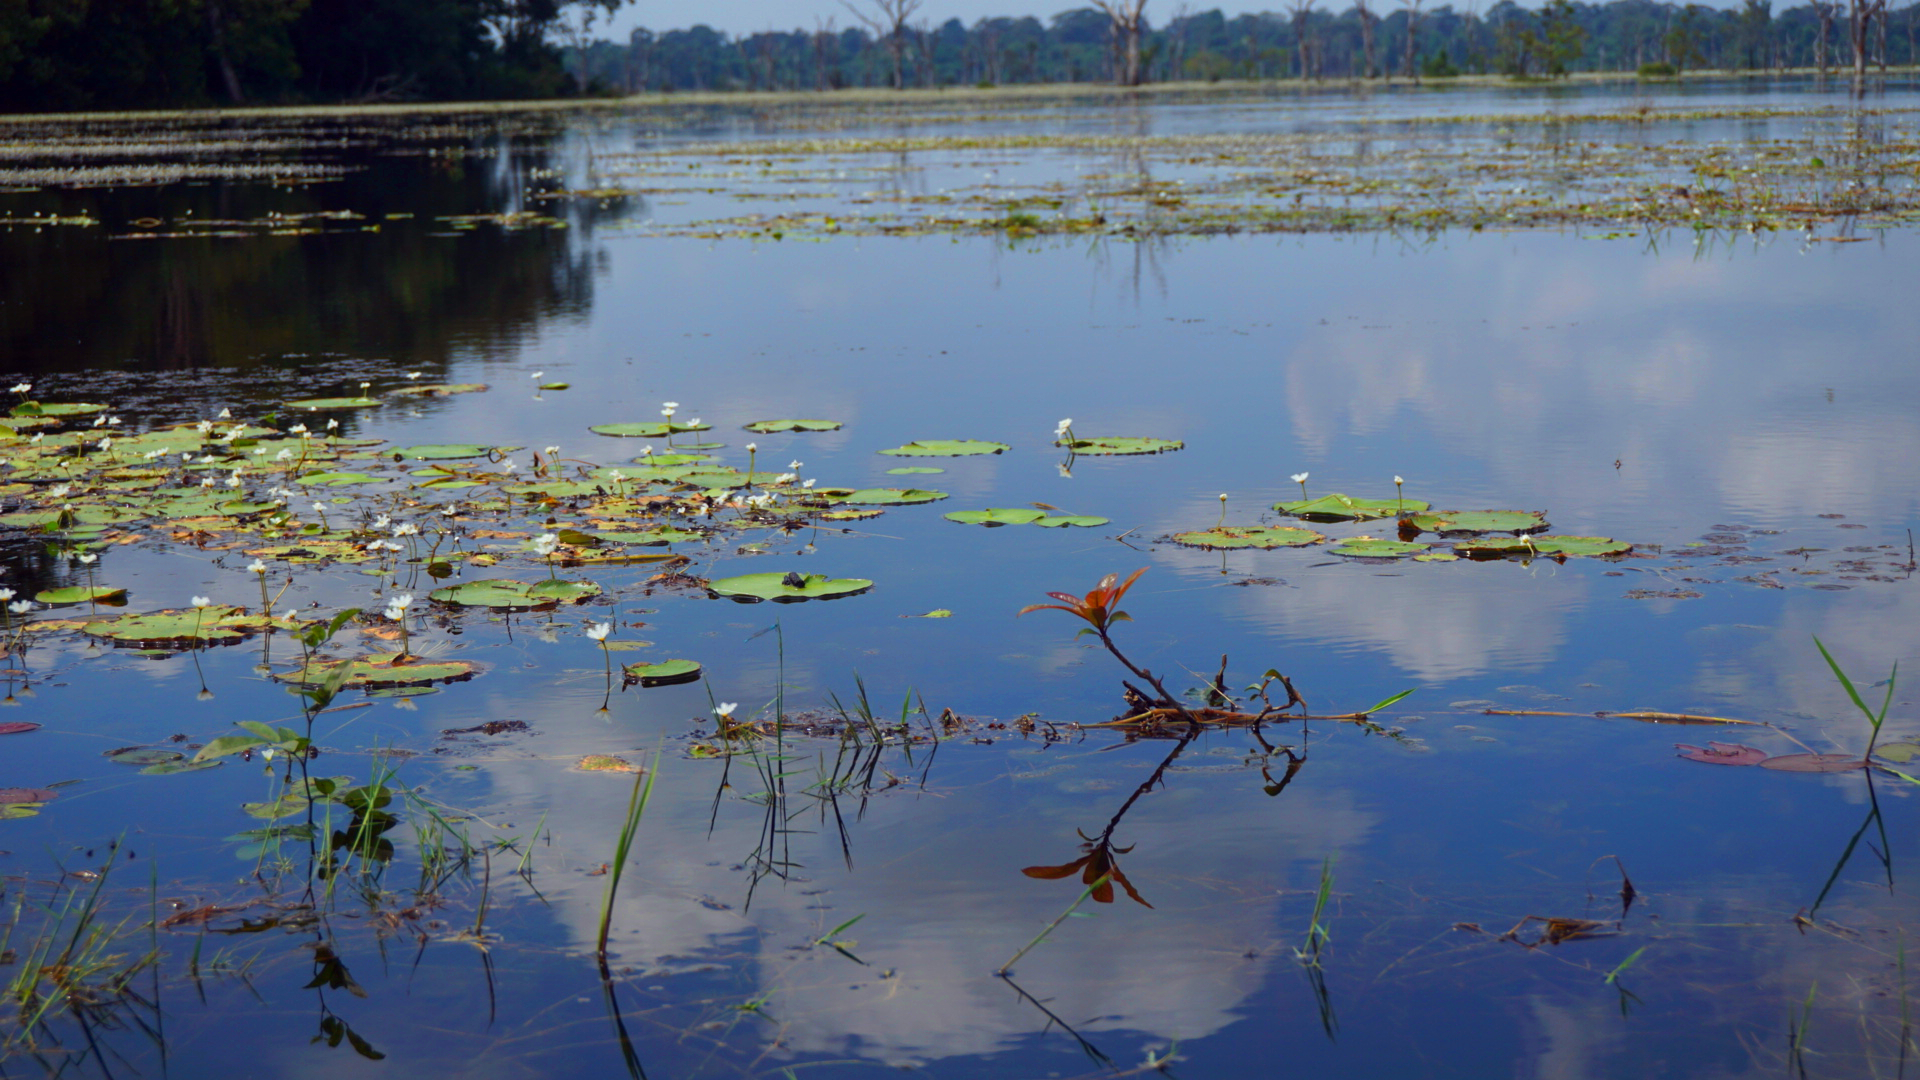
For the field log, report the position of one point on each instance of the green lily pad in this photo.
(664, 673)
(314, 551)
(515, 595)
(57, 408)
(142, 755)
(1590, 546)
(996, 518)
(438, 389)
(646, 430)
(1437, 556)
(1121, 446)
(1480, 521)
(879, 496)
(1493, 547)
(649, 537)
(787, 588)
(446, 451)
(850, 515)
(768, 427)
(1899, 753)
(337, 479)
(993, 518)
(285, 806)
(606, 763)
(556, 386)
(668, 461)
(914, 470)
(1248, 536)
(216, 624)
(948, 448)
(80, 594)
(168, 768)
(1366, 547)
(380, 670)
(318, 403)
(1339, 507)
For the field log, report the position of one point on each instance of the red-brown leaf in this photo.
(1814, 763)
(1051, 873)
(1720, 753)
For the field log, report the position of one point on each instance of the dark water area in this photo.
(1738, 406)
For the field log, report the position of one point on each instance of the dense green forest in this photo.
(91, 54)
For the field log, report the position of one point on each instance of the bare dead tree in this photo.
(923, 37)
(1862, 13)
(1413, 23)
(1367, 19)
(888, 21)
(1127, 18)
(1824, 11)
(1300, 10)
(823, 42)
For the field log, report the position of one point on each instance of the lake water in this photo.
(1739, 405)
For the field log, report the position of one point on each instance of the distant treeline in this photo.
(1305, 40)
(95, 54)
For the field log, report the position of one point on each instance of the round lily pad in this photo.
(80, 594)
(217, 624)
(913, 470)
(649, 537)
(1480, 521)
(1580, 545)
(1082, 521)
(515, 595)
(1366, 547)
(336, 479)
(318, 403)
(664, 673)
(16, 795)
(879, 496)
(380, 670)
(668, 461)
(142, 755)
(768, 427)
(1120, 446)
(445, 451)
(1337, 507)
(606, 763)
(1814, 763)
(1492, 547)
(850, 515)
(438, 389)
(787, 588)
(57, 408)
(1248, 536)
(646, 430)
(996, 518)
(948, 448)
(21, 727)
(168, 768)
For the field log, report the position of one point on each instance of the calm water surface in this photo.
(1760, 391)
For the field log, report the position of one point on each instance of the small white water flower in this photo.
(616, 476)
(384, 521)
(267, 754)
(60, 491)
(364, 387)
(201, 601)
(1300, 477)
(38, 437)
(23, 388)
(599, 631)
(258, 567)
(89, 559)
(20, 607)
(319, 507)
(669, 404)
(284, 455)
(204, 426)
(106, 444)
(206, 481)
(552, 451)
(406, 529)
(1397, 479)
(546, 543)
(537, 375)
(414, 375)
(695, 422)
(225, 414)
(724, 710)
(397, 606)
(298, 429)
(1060, 429)
(807, 484)
(647, 450)
(507, 466)
(6, 594)
(233, 481)
(333, 425)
